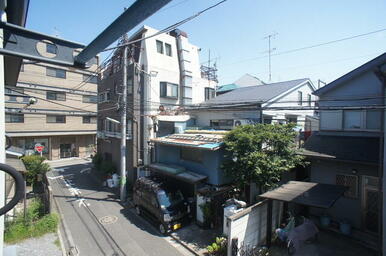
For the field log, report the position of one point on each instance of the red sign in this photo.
(39, 148)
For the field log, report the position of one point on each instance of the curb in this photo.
(185, 245)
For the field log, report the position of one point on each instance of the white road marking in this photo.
(86, 170)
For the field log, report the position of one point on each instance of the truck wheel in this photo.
(138, 210)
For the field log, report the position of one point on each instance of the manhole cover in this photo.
(108, 219)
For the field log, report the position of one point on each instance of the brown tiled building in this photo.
(63, 115)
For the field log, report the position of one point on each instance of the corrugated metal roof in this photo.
(307, 193)
(345, 148)
(195, 140)
(227, 87)
(251, 94)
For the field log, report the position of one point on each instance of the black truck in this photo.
(162, 203)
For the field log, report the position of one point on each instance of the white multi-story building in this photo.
(164, 77)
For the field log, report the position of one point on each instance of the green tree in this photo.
(260, 153)
(35, 167)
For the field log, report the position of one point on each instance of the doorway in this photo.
(67, 150)
(371, 204)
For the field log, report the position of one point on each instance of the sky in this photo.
(234, 32)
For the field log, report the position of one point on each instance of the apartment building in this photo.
(53, 106)
(164, 75)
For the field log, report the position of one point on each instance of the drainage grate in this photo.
(109, 219)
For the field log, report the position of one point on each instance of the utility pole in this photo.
(123, 127)
(270, 50)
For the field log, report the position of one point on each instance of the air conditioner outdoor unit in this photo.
(238, 122)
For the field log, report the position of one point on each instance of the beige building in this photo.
(63, 116)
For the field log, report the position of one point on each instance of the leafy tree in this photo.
(260, 153)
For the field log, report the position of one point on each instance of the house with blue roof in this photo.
(349, 150)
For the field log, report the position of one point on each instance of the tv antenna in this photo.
(270, 50)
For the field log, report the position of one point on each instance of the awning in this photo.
(307, 193)
(177, 172)
(16, 163)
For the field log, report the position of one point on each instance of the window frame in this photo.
(300, 98)
(170, 54)
(56, 119)
(210, 93)
(92, 79)
(51, 48)
(55, 93)
(57, 72)
(90, 118)
(160, 43)
(11, 120)
(164, 90)
(95, 97)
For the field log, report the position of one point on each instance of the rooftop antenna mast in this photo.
(270, 50)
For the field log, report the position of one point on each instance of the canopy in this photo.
(307, 193)
(177, 172)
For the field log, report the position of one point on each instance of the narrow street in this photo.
(95, 222)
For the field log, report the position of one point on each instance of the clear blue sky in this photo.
(235, 30)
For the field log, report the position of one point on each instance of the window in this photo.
(168, 49)
(187, 92)
(51, 48)
(349, 181)
(56, 72)
(12, 98)
(193, 155)
(168, 90)
(14, 118)
(222, 123)
(160, 47)
(104, 97)
(292, 119)
(90, 79)
(373, 118)
(209, 93)
(56, 119)
(331, 120)
(300, 98)
(56, 96)
(352, 119)
(89, 119)
(309, 100)
(89, 99)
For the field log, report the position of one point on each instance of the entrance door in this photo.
(65, 150)
(371, 204)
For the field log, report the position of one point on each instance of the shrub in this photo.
(35, 167)
(107, 167)
(34, 225)
(97, 160)
(219, 247)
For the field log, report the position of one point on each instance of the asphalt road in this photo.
(96, 223)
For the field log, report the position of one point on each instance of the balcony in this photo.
(110, 134)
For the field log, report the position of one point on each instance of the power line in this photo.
(168, 29)
(311, 46)
(53, 102)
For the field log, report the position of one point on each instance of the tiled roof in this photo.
(259, 93)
